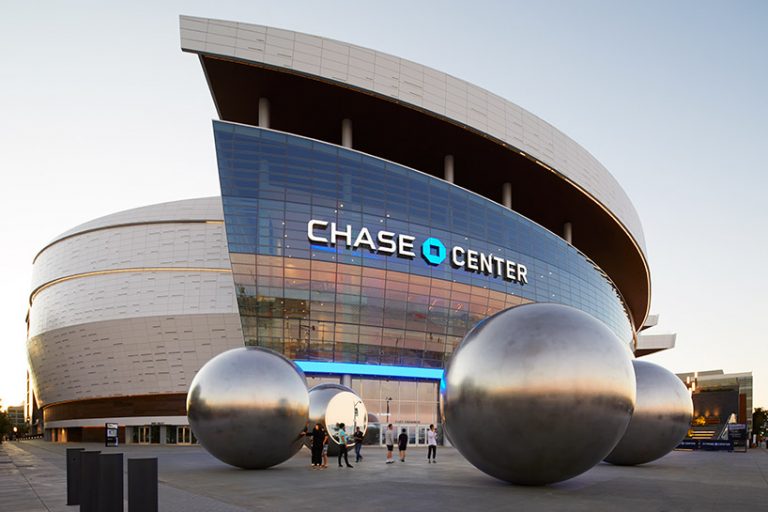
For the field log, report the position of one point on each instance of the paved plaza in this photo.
(33, 478)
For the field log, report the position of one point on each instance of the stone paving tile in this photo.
(35, 480)
(15, 492)
(178, 500)
(33, 483)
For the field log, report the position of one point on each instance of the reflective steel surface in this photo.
(661, 419)
(248, 407)
(331, 404)
(538, 393)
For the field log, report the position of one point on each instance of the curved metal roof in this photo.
(185, 210)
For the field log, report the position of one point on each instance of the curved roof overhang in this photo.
(201, 209)
(386, 127)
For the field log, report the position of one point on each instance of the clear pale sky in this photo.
(100, 111)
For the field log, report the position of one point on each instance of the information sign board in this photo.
(110, 434)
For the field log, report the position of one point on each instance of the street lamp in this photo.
(354, 421)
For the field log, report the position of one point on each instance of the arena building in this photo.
(372, 211)
(719, 398)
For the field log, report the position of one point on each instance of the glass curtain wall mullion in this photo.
(274, 178)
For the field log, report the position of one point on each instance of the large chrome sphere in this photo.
(661, 419)
(248, 407)
(538, 393)
(331, 404)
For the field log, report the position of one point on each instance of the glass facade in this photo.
(330, 302)
(394, 401)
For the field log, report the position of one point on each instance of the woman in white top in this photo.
(431, 444)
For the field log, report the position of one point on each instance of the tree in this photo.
(759, 421)
(5, 425)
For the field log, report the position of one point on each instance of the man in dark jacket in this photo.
(358, 444)
(402, 444)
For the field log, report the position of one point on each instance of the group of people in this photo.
(402, 444)
(319, 445)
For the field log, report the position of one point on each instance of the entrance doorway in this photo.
(417, 434)
(184, 435)
(145, 435)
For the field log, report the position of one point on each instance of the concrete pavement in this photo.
(32, 478)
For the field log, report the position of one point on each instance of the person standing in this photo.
(326, 440)
(343, 438)
(358, 444)
(402, 444)
(318, 436)
(431, 444)
(389, 440)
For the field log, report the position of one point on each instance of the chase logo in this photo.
(401, 245)
(433, 251)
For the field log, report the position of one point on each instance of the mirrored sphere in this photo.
(248, 407)
(538, 393)
(331, 404)
(661, 419)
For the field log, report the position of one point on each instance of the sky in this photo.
(100, 111)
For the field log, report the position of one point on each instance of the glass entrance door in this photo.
(417, 434)
(183, 435)
(421, 438)
(145, 435)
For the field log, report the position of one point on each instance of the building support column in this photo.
(568, 232)
(448, 168)
(346, 380)
(506, 194)
(346, 133)
(263, 113)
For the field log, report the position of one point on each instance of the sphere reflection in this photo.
(661, 419)
(538, 393)
(248, 407)
(331, 404)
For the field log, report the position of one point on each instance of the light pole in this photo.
(389, 399)
(354, 421)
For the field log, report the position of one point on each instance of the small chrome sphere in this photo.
(661, 419)
(332, 404)
(248, 407)
(538, 393)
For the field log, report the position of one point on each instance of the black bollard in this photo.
(89, 481)
(142, 485)
(111, 482)
(73, 475)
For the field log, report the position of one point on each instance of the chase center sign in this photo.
(432, 250)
